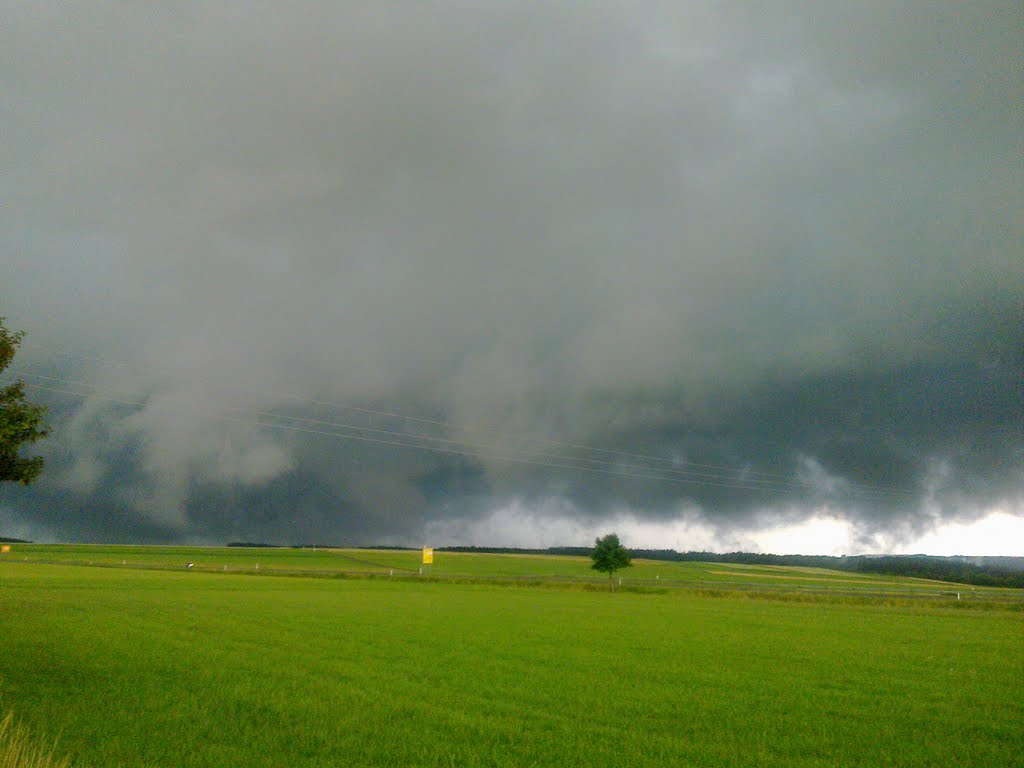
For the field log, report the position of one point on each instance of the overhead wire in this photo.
(466, 448)
(673, 462)
(457, 451)
(617, 466)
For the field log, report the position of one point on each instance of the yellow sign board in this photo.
(5, 548)
(428, 555)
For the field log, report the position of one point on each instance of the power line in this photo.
(462, 448)
(436, 449)
(617, 467)
(674, 464)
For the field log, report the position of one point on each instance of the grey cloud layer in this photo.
(701, 233)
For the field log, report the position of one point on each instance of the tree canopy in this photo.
(609, 555)
(21, 421)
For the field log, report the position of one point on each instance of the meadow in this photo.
(468, 566)
(128, 666)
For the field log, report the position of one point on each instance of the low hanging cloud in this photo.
(364, 273)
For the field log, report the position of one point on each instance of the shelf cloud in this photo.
(354, 274)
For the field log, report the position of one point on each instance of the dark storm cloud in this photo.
(786, 243)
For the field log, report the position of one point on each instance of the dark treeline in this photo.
(5, 540)
(584, 551)
(942, 569)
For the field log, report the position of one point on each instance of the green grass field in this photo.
(138, 667)
(482, 566)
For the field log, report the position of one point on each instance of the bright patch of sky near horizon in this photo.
(996, 533)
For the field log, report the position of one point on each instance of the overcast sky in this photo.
(709, 274)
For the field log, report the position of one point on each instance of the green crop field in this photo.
(481, 566)
(161, 666)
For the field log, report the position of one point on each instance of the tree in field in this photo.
(21, 422)
(609, 556)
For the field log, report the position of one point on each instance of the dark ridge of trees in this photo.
(253, 545)
(5, 540)
(577, 551)
(743, 558)
(580, 551)
(942, 569)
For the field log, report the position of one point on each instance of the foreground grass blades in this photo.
(149, 668)
(19, 750)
